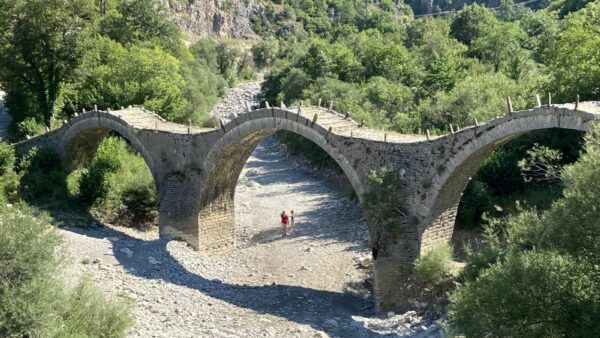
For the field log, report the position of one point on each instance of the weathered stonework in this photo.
(196, 171)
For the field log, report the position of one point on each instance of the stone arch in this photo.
(228, 155)
(84, 133)
(465, 152)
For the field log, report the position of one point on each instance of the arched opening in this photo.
(520, 174)
(108, 173)
(497, 179)
(252, 178)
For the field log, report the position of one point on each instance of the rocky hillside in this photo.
(215, 18)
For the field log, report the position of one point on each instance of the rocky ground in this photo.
(313, 283)
(234, 101)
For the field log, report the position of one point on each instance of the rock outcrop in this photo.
(214, 18)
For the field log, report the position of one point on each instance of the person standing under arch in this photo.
(284, 222)
(292, 222)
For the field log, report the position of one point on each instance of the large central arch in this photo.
(228, 155)
(470, 148)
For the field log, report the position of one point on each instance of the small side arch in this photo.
(468, 149)
(80, 140)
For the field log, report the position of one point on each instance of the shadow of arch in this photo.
(273, 299)
(228, 155)
(475, 145)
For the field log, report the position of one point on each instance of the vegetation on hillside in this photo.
(408, 75)
(35, 300)
(537, 274)
(58, 57)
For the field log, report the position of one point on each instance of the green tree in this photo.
(41, 46)
(543, 269)
(135, 21)
(535, 294)
(574, 62)
(380, 56)
(115, 76)
(501, 47)
(472, 22)
(481, 95)
(265, 52)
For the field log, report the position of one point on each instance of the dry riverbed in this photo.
(312, 283)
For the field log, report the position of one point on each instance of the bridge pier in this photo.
(391, 276)
(208, 226)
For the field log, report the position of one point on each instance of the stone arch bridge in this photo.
(196, 170)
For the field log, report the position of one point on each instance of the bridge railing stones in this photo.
(195, 170)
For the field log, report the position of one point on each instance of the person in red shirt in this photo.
(284, 222)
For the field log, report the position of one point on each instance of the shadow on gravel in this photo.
(298, 304)
(327, 311)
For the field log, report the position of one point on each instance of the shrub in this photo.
(265, 52)
(89, 314)
(9, 186)
(43, 176)
(94, 183)
(118, 185)
(28, 287)
(141, 204)
(435, 267)
(28, 127)
(33, 300)
(534, 294)
(7, 158)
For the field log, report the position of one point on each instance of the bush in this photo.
(43, 176)
(534, 294)
(265, 52)
(28, 288)
(33, 300)
(89, 314)
(141, 204)
(9, 187)
(435, 267)
(28, 127)
(7, 158)
(94, 183)
(118, 185)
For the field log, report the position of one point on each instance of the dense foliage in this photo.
(117, 185)
(33, 299)
(543, 268)
(58, 57)
(407, 75)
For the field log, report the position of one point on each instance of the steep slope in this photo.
(214, 18)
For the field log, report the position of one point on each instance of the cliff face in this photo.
(214, 18)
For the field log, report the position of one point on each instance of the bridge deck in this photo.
(140, 118)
